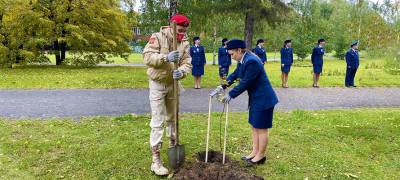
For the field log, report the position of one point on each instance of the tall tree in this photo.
(82, 26)
(253, 12)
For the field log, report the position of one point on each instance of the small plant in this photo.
(392, 65)
(373, 65)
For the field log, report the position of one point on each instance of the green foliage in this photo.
(393, 64)
(79, 26)
(87, 59)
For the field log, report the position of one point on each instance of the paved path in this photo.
(91, 102)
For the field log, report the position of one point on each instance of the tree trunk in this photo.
(56, 48)
(248, 29)
(172, 8)
(63, 49)
(215, 42)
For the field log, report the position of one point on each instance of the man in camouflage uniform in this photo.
(159, 57)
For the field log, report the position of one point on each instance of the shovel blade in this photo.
(176, 156)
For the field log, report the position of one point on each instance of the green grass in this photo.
(370, 74)
(332, 144)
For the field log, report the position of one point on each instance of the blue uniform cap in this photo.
(196, 38)
(224, 40)
(321, 40)
(235, 44)
(353, 43)
(260, 41)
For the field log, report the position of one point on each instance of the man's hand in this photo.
(177, 74)
(283, 65)
(226, 99)
(173, 56)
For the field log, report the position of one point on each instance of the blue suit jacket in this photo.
(254, 80)
(287, 56)
(317, 56)
(198, 55)
(352, 59)
(261, 53)
(224, 59)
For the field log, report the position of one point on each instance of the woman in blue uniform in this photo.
(198, 61)
(317, 59)
(224, 60)
(262, 98)
(260, 51)
(286, 61)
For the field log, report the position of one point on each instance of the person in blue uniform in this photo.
(224, 60)
(198, 55)
(317, 59)
(352, 61)
(260, 51)
(262, 98)
(286, 62)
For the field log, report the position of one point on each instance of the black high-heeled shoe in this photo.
(244, 158)
(252, 163)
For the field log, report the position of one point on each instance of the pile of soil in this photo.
(214, 169)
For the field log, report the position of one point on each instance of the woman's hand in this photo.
(226, 99)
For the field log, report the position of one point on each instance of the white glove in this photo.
(216, 91)
(173, 56)
(226, 99)
(177, 74)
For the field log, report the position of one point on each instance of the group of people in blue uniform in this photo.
(197, 53)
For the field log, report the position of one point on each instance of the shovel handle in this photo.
(225, 134)
(176, 95)
(208, 127)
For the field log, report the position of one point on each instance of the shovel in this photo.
(176, 154)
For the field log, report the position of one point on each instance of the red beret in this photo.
(180, 20)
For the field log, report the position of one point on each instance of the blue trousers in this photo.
(350, 74)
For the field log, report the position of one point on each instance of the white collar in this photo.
(241, 61)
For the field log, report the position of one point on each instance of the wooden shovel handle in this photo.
(176, 88)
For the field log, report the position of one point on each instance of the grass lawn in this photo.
(333, 144)
(371, 73)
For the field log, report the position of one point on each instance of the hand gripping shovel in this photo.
(176, 154)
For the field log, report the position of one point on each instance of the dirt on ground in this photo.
(214, 169)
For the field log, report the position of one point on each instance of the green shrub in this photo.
(392, 65)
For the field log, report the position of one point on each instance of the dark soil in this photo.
(214, 170)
